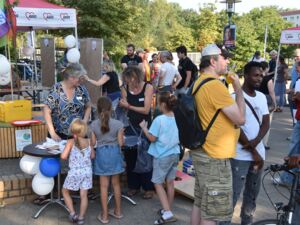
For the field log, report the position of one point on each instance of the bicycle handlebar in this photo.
(278, 167)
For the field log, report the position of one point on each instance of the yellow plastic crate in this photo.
(15, 110)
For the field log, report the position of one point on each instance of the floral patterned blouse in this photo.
(64, 111)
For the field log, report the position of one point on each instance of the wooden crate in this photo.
(8, 139)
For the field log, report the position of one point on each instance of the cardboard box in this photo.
(15, 110)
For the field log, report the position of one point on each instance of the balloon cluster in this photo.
(73, 54)
(43, 169)
(4, 70)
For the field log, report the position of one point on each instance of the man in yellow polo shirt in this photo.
(213, 185)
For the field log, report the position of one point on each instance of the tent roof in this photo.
(293, 28)
(43, 15)
(37, 4)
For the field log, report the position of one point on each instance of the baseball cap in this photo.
(273, 52)
(213, 49)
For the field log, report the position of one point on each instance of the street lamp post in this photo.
(230, 29)
(230, 8)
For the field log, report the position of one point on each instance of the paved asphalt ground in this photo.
(144, 213)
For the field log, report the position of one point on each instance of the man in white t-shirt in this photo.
(250, 156)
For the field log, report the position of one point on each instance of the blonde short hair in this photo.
(79, 128)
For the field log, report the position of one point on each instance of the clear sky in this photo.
(242, 7)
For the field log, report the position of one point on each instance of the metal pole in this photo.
(10, 74)
(277, 61)
(266, 37)
(76, 36)
(35, 78)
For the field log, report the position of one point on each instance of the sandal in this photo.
(111, 213)
(102, 220)
(41, 200)
(161, 220)
(80, 221)
(160, 212)
(148, 195)
(132, 192)
(73, 218)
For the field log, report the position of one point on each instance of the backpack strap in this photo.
(253, 111)
(217, 112)
(201, 83)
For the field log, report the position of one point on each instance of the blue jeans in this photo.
(287, 178)
(296, 215)
(243, 174)
(280, 90)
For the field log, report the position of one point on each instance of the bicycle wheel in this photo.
(267, 222)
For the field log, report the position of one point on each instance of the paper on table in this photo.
(52, 145)
(54, 152)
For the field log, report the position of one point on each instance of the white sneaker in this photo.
(278, 181)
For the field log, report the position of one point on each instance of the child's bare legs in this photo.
(162, 195)
(104, 184)
(68, 200)
(83, 203)
(115, 181)
(170, 192)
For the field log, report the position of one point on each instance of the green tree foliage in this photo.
(159, 25)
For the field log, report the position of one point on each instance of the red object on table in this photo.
(22, 123)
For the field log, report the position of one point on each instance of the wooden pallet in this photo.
(8, 139)
(186, 185)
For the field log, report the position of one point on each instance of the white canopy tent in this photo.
(34, 15)
(42, 15)
(290, 36)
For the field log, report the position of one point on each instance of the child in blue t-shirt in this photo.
(164, 147)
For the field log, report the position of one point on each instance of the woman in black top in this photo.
(109, 82)
(267, 87)
(136, 98)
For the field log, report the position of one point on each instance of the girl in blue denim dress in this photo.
(80, 151)
(109, 134)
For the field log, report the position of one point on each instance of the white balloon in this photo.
(73, 55)
(30, 164)
(70, 41)
(28, 51)
(42, 185)
(4, 79)
(5, 65)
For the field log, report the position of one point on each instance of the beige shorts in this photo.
(213, 187)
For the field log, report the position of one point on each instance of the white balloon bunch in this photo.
(42, 185)
(5, 65)
(73, 55)
(4, 70)
(30, 164)
(70, 41)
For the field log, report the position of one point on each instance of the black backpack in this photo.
(194, 73)
(191, 133)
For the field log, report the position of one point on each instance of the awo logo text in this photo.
(48, 16)
(30, 15)
(64, 16)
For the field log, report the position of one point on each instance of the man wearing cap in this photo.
(213, 178)
(131, 59)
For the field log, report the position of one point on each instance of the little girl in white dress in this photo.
(80, 176)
